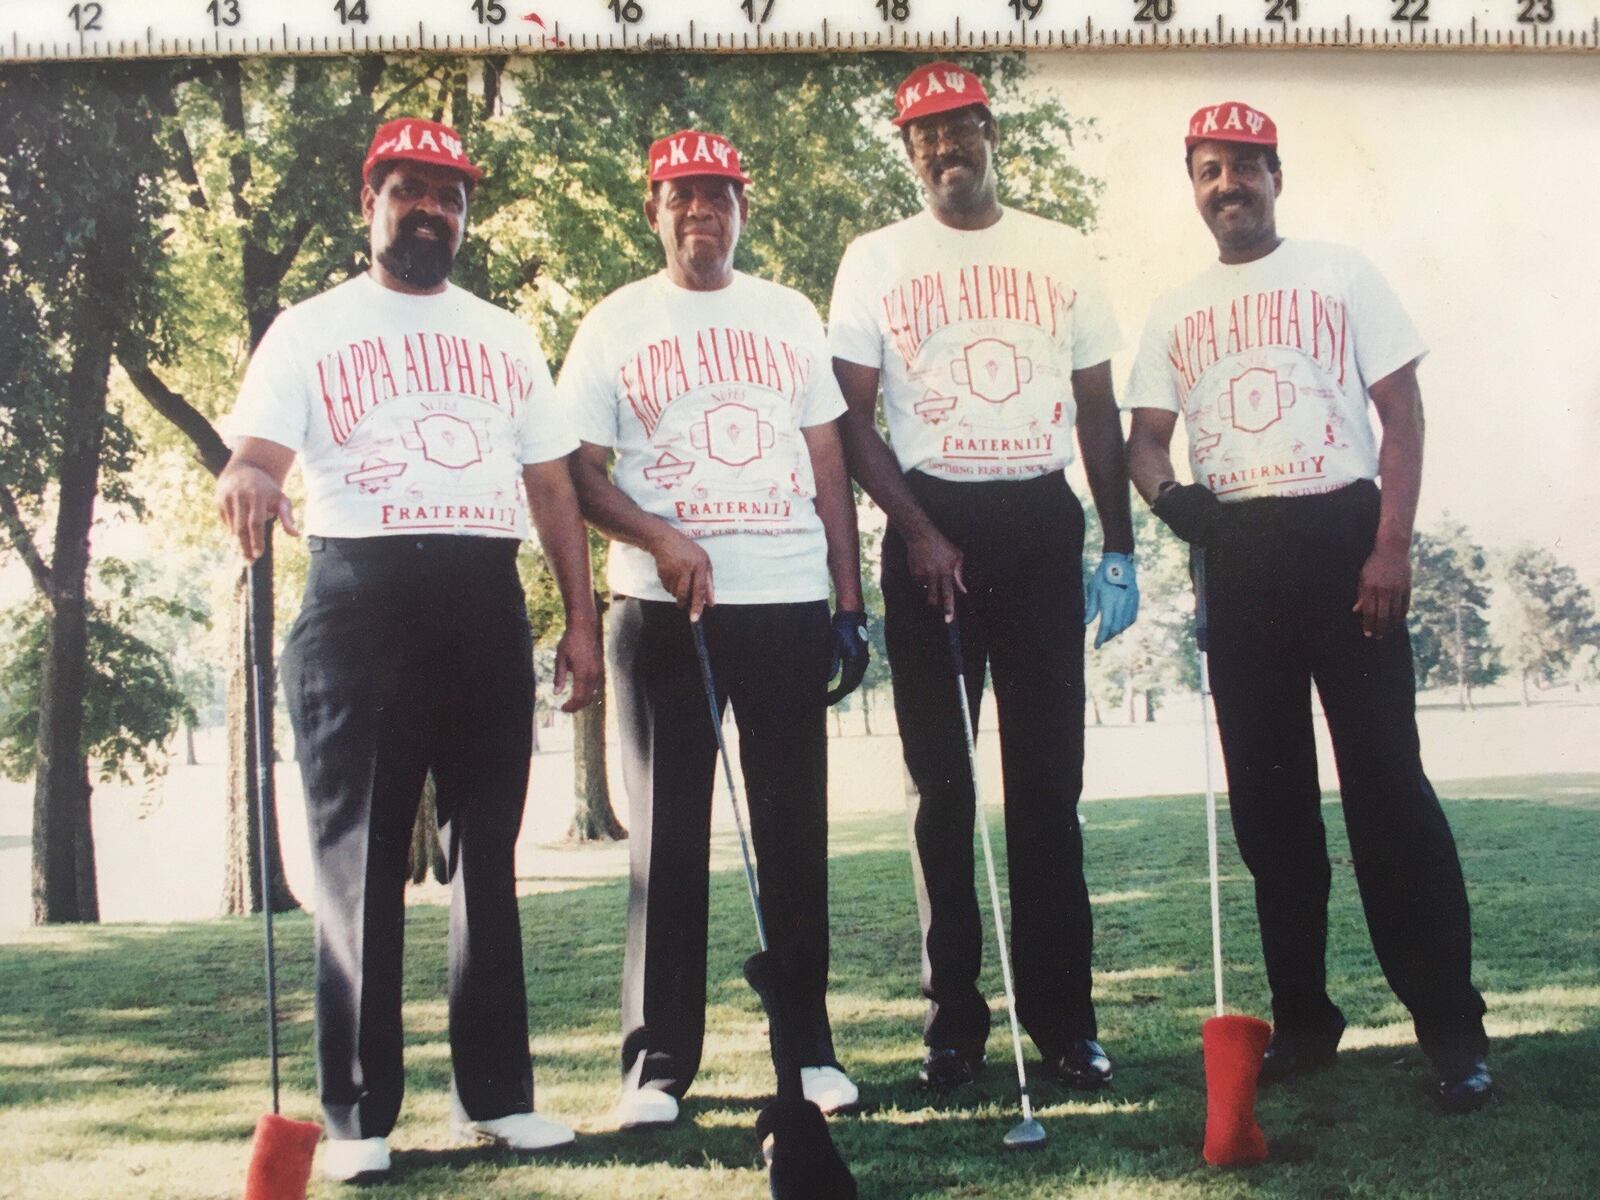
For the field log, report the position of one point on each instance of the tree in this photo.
(1553, 616)
(79, 208)
(1450, 637)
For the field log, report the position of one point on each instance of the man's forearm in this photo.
(609, 509)
(876, 469)
(1400, 467)
(1105, 463)
(1149, 455)
(553, 506)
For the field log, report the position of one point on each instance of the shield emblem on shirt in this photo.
(446, 441)
(733, 434)
(992, 370)
(1257, 399)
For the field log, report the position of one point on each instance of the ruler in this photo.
(64, 29)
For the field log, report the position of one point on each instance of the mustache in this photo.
(952, 160)
(1231, 198)
(414, 223)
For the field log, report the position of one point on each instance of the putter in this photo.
(261, 713)
(1027, 1134)
(1201, 631)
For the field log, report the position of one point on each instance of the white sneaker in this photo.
(346, 1160)
(526, 1132)
(829, 1088)
(646, 1108)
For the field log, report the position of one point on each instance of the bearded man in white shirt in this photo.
(1271, 356)
(728, 504)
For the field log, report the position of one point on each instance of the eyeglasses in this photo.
(964, 132)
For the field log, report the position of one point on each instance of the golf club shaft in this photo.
(710, 686)
(261, 712)
(1202, 637)
(981, 820)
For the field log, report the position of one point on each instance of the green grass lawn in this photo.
(131, 1060)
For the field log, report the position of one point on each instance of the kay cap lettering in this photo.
(411, 139)
(693, 152)
(936, 88)
(1231, 121)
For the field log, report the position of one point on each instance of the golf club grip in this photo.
(1197, 577)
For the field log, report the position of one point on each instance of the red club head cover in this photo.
(280, 1159)
(1233, 1049)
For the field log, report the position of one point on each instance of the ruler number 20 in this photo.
(85, 17)
(1153, 11)
(1542, 11)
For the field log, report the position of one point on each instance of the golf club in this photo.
(1198, 572)
(260, 714)
(710, 686)
(1027, 1134)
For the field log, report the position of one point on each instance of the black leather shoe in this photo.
(1084, 1066)
(1465, 1087)
(1290, 1053)
(944, 1068)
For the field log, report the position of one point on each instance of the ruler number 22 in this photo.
(1542, 11)
(1410, 10)
(85, 17)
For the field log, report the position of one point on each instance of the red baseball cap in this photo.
(1231, 121)
(412, 139)
(936, 88)
(691, 152)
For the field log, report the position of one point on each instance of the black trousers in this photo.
(1022, 618)
(413, 653)
(1279, 601)
(771, 661)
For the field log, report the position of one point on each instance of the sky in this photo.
(1470, 180)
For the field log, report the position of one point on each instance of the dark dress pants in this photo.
(1022, 619)
(413, 653)
(1279, 599)
(771, 662)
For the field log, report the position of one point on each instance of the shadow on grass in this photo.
(93, 1014)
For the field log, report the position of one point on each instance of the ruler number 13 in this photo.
(85, 17)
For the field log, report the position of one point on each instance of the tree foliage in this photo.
(1553, 617)
(1451, 642)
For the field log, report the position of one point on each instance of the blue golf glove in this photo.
(850, 653)
(1113, 596)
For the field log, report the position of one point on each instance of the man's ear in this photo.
(651, 210)
(369, 202)
(1277, 184)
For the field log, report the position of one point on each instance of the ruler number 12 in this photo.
(1542, 11)
(85, 17)
(1283, 10)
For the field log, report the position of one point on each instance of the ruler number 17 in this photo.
(757, 11)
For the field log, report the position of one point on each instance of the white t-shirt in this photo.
(411, 414)
(1269, 362)
(976, 334)
(703, 396)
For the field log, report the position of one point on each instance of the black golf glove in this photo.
(850, 653)
(1193, 512)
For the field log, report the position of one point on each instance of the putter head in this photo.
(1025, 1135)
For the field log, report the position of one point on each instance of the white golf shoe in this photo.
(646, 1108)
(524, 1132)
(829, 1088)
(348, 1160)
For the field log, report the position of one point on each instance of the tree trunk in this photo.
(1461, 662)
(426, 853)
(866, 713)
(535, 725)
(189, 758)
(1094, 704)
(1149, 706)
(593, 819)
(63, 843)
(241, 875)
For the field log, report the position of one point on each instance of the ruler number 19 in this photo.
(1025, 10)
(1283, 10)
(894, 10)
(1542, 11)
(85, 17)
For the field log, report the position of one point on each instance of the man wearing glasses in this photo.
(989, 332)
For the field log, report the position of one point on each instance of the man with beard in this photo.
(727, 504)
(414, 408)
(989, 332)
(1271, 355)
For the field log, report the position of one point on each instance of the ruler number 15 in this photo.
(85, 17)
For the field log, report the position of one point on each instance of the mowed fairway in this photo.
(131, 1060)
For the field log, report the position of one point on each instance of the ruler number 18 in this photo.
(85, 17)
(1283, 10)
(894, 10)
(1542, 11)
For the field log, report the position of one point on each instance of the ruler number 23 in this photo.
(1542, 11)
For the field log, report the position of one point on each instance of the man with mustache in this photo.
(415, 409)
(989, 331)
(1271, 356)
(710, 456)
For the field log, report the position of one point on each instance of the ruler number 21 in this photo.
(1283, 10)
(1542, 11)
(85, 17)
